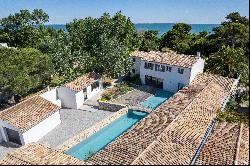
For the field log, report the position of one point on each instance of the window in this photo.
(168, 68)
(181, 71)
(162, 68)
(133, 59)
(157, 67)
(149, 66)
(133, 70)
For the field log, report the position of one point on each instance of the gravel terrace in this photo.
(72, 123)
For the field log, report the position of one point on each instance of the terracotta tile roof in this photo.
(162, 134)
(36, 154)
(244, 147)
(220, 148)
(28, 113)
(178, 142)
(170, 58)
(83, 81)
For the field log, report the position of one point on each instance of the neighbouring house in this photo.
(76, 92)
(29, 120)
(166, 70)
(4, 45)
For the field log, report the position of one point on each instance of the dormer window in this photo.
(180, 70)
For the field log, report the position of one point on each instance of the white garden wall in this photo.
(79, 99)
(52, 97)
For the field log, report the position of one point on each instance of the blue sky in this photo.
(140, 11)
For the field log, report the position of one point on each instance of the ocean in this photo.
(160, 27)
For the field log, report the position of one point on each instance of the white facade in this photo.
(172, 80)
(42, 128)
(52, 97)
(33, 134)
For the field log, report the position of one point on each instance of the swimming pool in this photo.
(159, 97)
(100, 139)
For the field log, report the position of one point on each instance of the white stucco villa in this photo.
(166, 70)
(76, 92)
(28, 121)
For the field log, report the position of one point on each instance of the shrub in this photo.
(107, 96)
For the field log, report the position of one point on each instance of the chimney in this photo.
(198, 54)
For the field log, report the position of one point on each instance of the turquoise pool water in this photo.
(106, 135)
(156, 100)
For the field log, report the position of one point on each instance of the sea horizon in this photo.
(160, 27)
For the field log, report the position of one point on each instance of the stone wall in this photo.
(109, 106)
(88, 132)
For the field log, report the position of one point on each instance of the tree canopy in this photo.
(103, 44)
(148, 40)
(23, 70)
(23, 29)
(178, 38)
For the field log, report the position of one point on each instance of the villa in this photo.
(171, 134)
(181, 130)
(169, 71)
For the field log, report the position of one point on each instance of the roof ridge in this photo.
(236, 159)
(149, 146)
